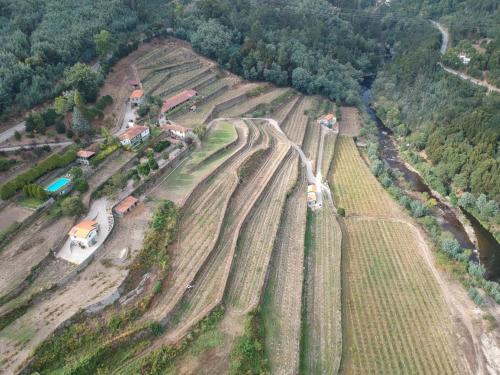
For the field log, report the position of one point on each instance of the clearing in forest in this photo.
(396, 318)
(321, 343)
(354, 186)
(282, 302)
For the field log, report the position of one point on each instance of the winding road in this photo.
(444, 47)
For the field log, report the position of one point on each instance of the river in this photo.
(489, 248)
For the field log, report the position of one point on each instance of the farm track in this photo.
(322, 333)
(212, 279)
(255, 243)
(396, 318)
(356, 189)
(296, 123)
(201, 222)
(251, 103)
(311, 142)
(282, 300)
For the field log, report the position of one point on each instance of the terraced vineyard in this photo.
(256, 241)
(282, 300)
(311, 142)
(296, 124)
(396, 319)
(211, 281)
(252, 103)
(355, 187)
(328, 152)
(322, 330)
(285, 110)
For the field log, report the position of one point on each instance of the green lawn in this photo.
(201, 161)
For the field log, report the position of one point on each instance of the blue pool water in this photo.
(57, 184)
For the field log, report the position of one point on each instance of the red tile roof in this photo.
(82, 229)
(125, 204)
(175, 127)
(85, 154)
(177, 99)
(328, 117)
(136, 94)
(132, 132)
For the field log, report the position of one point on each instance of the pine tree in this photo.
(80, 124)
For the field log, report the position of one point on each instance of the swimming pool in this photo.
(58, 184)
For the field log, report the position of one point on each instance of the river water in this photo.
(489, 248)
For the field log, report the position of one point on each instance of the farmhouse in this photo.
(137, 97)
(126, 205)
(84, 233)
(312, 197)
(176, 130)
(175, 101)
(329, 120)
(83, 156)
(134, 136)
(464, 58)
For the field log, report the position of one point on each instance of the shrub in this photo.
(156, 328)
(72, 206)
(160, 146)
(81, 184)
(17, 135)
(476, 296)
(157, 287)
(341, 211)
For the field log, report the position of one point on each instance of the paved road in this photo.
(444, 46)
(445, 36)
(9, 133)
(31, 145)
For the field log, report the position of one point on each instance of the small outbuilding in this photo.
(83, 156)
(329, 120)
(137, 97)
(126, 205)
(176, 130)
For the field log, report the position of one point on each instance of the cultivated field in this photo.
(284, 110)
(311, 142)
(326, 161)
(251, 103)
(351, 123)
(211, 281)
(297, 122)
(256, 241)
(282, 301)
(354, 186)
(322, 330)
(178, 184)
(396, 319)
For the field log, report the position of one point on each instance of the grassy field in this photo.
(354, 186)
(282, 301)
(396, 321)
(321, 343)
(183, 179)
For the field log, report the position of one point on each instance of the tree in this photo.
(17, 135)
(152, 163)
(301, 80)
(81, 184)
(82, 78)
(467, 200)
(80, 124)
(105, 44)
(72, 206)
(212, 39)
(200, 131)
(143, 169)
(76, 172)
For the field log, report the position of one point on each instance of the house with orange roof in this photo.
(126, 205)
(83, 156)
(176, 130)
(134, 135)
(329, 120)
(137, 97)
(84, 233)
(174, 102)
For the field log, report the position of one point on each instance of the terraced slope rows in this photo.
(354, 186)
(285, 110)
(211, 281)
(255, 243)
(311, 142)
(328, 152)
(200, 224)
(296, 124)
(396, 320)
(281, 308)
(251, 103)
(322, 331)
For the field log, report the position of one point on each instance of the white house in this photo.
(312, 197)
(84, 233)
(176, 130)
(464, 58)
(134, 135)
(137, 97)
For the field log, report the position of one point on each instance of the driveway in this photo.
(100, 212)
